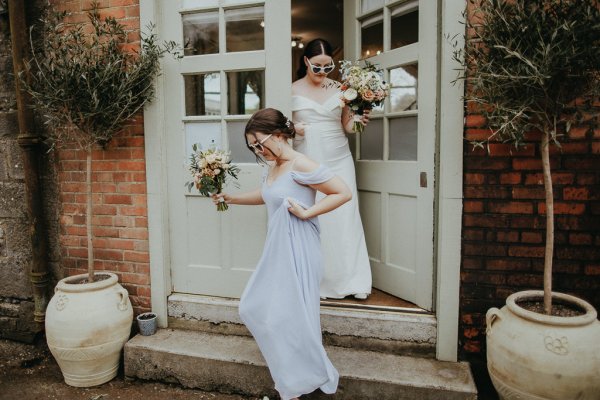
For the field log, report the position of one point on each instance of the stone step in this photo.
(233, 364)
(397, 332)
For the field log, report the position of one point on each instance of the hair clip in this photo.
(287, 123)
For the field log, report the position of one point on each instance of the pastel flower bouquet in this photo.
(362, 89)
(210, 169)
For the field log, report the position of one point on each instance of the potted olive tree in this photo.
(531, 67)
(86, 85)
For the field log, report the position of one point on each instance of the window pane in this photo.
(246, 91)
(202, 94)
(205, 134)
(371, 141)
(403, 87)
(371, 34)
(237, 144)
(403, 139)
(244, 29)
(201, 33)
(405, 27)
(368, 5)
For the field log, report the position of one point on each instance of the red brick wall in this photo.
(504, 223)
(120, 224)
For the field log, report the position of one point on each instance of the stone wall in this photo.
(16, 297)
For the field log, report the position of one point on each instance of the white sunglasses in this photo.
(316, 69)
(258, 146)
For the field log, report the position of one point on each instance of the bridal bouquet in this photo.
(362, 89)
(209, 170)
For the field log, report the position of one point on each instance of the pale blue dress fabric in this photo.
(347, 269)
(280, 305)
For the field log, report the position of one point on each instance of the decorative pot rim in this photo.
(65, 284)
(585, 319)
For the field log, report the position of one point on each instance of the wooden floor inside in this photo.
(377, 300)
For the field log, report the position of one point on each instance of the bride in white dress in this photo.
(322, 121)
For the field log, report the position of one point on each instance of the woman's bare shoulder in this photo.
(305, 164)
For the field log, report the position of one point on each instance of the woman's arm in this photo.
(252, 198)
(337, 193)
(335, 189)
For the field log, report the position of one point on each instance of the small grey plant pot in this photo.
(147, 323)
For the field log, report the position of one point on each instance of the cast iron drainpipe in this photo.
(30, 143)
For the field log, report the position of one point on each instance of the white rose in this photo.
(350, 94)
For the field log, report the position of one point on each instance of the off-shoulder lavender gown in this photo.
(280, 305)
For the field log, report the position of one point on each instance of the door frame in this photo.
(448, 191)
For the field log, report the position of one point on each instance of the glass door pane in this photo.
(371, 141)
(371, 36)
(403, 139)
(403, 88)
(200, 33)
(245, 91)
(369, 5)
(202, 94)
(404, 26)
(244, 29)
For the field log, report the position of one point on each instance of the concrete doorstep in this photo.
(233, 364)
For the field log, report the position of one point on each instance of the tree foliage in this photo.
(85, 81)
(531, 64)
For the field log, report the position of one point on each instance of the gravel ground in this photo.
(29, 372)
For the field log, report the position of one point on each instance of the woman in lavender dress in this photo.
(280, 305)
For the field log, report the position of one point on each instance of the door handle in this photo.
(423, 179)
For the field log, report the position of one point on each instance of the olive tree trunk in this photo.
(88, 213)
(549, 251)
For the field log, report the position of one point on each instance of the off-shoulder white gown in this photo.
(347, 270)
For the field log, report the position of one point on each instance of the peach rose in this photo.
(368, 95)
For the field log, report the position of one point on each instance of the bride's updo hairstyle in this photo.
(313, 48)
(269, 121)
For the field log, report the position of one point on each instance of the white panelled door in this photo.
(395, 154)
(232, 66)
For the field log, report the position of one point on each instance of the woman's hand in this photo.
(365, 117)
(300, 128)
(220, 198)
(297, 210)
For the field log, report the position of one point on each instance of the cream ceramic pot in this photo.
(533, 356)
(87, 326)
